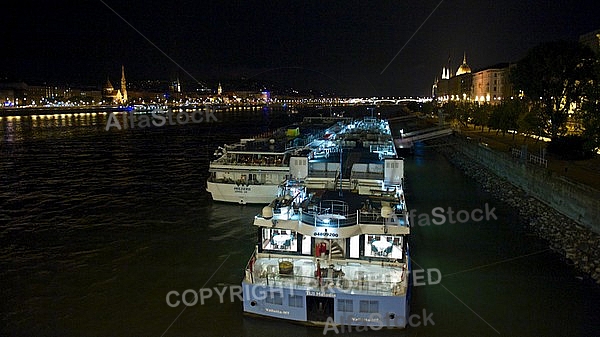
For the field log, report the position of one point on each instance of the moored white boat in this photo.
(149, 108)
(252, 170)
(249, 171)
(332, 248)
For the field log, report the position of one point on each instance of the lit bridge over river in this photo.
(385, 100)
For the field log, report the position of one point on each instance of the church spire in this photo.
(123, 85)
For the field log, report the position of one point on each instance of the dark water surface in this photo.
(96, 227)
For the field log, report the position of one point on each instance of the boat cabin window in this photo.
(252, 178)
(279, 239)
(274, 297)
(369, 306)
(388, 246)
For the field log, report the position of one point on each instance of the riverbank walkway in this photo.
(586, 172)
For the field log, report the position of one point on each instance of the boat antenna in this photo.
(341, 170)
(371, 108)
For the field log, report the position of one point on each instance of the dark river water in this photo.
(97, 227)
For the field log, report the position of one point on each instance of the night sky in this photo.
(345, 47)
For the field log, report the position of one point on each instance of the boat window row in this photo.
(245, 178)
(371, 246)
(276, 297)
(255, 159)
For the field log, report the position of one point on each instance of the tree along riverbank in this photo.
(579, 246)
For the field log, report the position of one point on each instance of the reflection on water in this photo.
(44, 125)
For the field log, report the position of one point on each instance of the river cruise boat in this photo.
(332, 248)
(252, 170)
(139, 109)
(249, 171)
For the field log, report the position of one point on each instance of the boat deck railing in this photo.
(335, 221)
(323, 174)
(280, 161)
(385, 150)
(337, 213)
(328, 220)
(307, 274)
(328, 213)
(366, 175)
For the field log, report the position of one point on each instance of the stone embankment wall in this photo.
(564, 213)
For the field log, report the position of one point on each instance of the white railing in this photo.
(517, 153)
(356, 285)
(538, 160)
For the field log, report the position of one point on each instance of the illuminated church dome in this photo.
(464, 67)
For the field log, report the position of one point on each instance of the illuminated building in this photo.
(123, 86)
(488, 85)
(464, 67)
(454, 87)
(119, 96)
(492, 84)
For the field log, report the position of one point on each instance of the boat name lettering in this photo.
(277, 311)
(242, 189)
(319, 293)
(373, 318)
(325, 234)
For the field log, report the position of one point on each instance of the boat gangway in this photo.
(406, 140)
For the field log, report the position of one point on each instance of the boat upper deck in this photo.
(306, 273)
(369, 193)
(270, 149)
(347, 215)
(256, 152)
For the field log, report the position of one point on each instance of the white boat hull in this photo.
(242, 194)
(393, 311)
